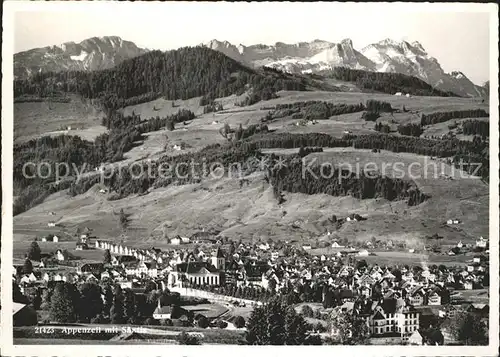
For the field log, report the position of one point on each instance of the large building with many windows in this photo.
(393, 316)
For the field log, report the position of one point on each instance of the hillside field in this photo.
(250, 212)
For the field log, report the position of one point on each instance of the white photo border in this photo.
(9, 349)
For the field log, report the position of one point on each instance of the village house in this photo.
(336, 245)
(62, 255)
(122, 259)
(81, 246)
(481, 242)
(50, 238)
(141, 269)
(433, 297)
(363, 253)
(176, 240)
(91, 268)
(415, 339)
(23, 315)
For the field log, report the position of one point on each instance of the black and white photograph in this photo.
(249, 174)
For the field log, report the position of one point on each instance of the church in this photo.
(198, 273)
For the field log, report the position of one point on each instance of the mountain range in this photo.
(384, 56)
(91, 54)
(304, 57)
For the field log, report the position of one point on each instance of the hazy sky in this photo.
(459, 40)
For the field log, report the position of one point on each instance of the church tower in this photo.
(218, 260)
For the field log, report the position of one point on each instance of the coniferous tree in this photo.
(275, 324)
(34, 252)
(27, 267)
(117, 311)
(64, 303)
(91, 303)
(107, 257)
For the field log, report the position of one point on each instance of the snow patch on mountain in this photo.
(80, 57)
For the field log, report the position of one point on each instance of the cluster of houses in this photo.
(389, 299)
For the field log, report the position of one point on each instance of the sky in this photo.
(456, 36)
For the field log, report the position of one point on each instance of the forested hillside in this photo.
(473, 152)
(65, 155)
(180, 74)
(386, 82)
(290, 177)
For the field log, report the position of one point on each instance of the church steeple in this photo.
(218, 259)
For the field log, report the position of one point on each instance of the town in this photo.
(208, 281)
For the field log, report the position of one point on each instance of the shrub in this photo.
(370, 116)
(239, 322)
(166, 322)
(202, 322)
(221, 324)
(151, 321)
(307, 311)
(187, 339)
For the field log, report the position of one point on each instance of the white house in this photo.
(415, 339)
(51, 224)
(468, 285)
(175, 241)
(61, 255)
(125, 284)
(481, 242)
(408, 95)
(399, 94)
(460, 244)
(143, 268)
(264, 246)
(363, 253)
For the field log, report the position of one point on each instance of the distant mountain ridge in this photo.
(387, 56)
(91, 54)
(384, 56)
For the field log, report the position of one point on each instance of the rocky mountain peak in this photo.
(90, 54)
